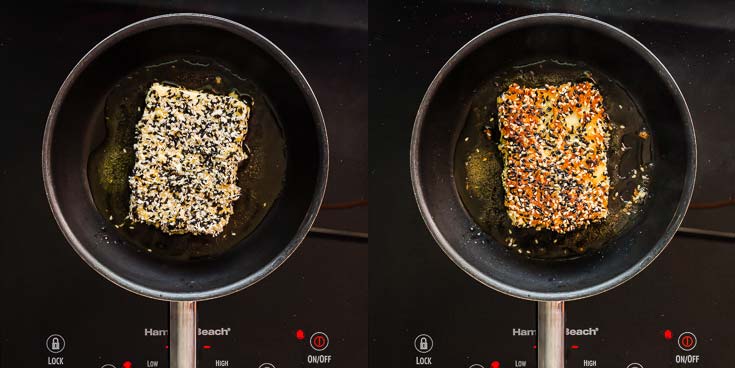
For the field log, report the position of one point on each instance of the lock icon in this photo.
(423, 343)
(55, 343)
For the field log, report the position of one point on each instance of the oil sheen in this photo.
(478, 164)
(260, 177)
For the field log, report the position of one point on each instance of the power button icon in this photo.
(319, 341)
(687, 341)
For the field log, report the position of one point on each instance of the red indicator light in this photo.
(127, 364)
(300, 334)
(166, 347)
(495, 364)
(534, 347)
(575, 347)
(668, 335)
(207, 347)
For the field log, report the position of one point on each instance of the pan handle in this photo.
(551, 334)
(183, 339)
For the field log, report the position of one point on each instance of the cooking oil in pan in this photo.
(478, 164)
(260, 176)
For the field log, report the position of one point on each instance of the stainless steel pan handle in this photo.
(551, 334)
(183, 341)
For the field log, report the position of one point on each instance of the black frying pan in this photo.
(573, 41)
(76, 127)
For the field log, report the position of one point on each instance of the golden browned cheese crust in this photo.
(187, 150)
(554, 143)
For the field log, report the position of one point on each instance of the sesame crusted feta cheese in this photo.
(187, 150)
(554, 144)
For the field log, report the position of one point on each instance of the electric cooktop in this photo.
(425, 311)
(56, 311)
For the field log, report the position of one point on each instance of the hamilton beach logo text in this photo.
(590, 331)
(201, 332)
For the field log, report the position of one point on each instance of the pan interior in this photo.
(446, 110)
(478, 163)
(260, 177)
(80, 121)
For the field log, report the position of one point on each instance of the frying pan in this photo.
(444, 111)
(77, 115)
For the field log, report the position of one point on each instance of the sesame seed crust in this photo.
(554, 142)
(187, 151)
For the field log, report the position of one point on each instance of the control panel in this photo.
(674, 348)
(217, 348)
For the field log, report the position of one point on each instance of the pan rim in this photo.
(247, 34)
(471, 46)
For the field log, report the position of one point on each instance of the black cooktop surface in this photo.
(425, 309)
(56, 311)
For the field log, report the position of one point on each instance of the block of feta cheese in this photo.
(188, 145)
(554, 143)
